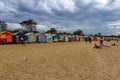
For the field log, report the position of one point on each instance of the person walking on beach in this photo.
(90, 40)
(101, 42)
(86, 39)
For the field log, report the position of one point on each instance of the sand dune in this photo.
(59, 61)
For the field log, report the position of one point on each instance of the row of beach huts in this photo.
(19, 37)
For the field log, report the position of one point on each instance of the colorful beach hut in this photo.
(66, 37)
(18, 37)
(82, 38)
(55, 37)
(73, 39)
(31, 37)
(70, 38)
(41, 37)
(76, 38)
(6, 37)
(48, 38)
(61, 39)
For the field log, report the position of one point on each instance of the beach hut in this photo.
(18, 37)
(82, 38)
(55, 37)
(76, 38)
(73, 38)
(48, 38)
(66, 37)
(31, 37)
(61, 39)
(70, 38)
(41, 37)
(6, 37)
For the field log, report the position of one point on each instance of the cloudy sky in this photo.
(91, 16)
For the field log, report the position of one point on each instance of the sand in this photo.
(59, 61)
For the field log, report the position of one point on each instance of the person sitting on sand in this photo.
(105, 46)
(96, 46)
(101, 43)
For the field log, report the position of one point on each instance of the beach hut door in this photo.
(9, 39)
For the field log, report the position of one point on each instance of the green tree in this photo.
(3, 26)
(52, 31)
(78, 32)
(29, 25)
(99, 34)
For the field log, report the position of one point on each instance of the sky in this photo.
(91, 16)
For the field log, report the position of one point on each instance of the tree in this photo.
(29, 25)
(99, 34)
(52, 31)
(118, 36)
(3, 26)
(64, 33)
(78, 32)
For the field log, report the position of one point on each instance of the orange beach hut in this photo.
(6, 37)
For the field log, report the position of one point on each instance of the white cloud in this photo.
(115, 26)
(67, 5)
(2, 5)
(102, 2)
(115, 23)
(42, 27)
(60, 5)
(14, 26)
(86, 2)
(106, 4)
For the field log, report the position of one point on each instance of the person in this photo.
(101, 42)
(90, 40)
(86, 39)
(96, 46)
(113, 44)
(23, 40)
(117, 40)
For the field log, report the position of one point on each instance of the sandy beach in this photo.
(59, 61)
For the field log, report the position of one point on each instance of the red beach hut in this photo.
(6, 37)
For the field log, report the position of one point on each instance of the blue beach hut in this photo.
(55, 37)
(70, 38)
(18, 37)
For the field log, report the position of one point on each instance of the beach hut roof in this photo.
(40, 33)
(55, 34)
(6, 32)
(16, 33)
(48, 34)
(29, 33)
